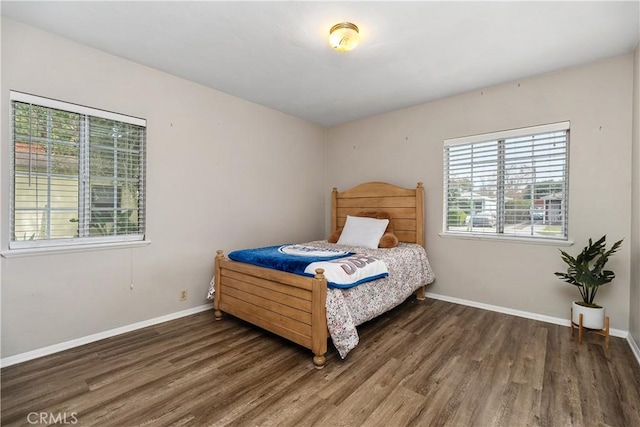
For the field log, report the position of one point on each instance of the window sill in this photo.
(51, 250)
(507, 239)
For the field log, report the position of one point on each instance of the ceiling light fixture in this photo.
(344, 36)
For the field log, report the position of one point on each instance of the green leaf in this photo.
(586, 271)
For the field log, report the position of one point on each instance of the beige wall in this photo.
(219, 158)
(634, 301)
(405, 146)
(223, 173)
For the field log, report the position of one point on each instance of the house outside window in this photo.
(510, 184)
(77, 174)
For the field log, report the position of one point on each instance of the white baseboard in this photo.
(45, 351)
(535, 316)
(634, 347)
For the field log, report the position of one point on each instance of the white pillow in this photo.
(361, 231)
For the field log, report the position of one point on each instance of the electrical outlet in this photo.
(183, 295)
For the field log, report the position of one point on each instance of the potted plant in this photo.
(587, 273)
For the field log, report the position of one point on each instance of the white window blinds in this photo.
(78, 174)
(512, 183)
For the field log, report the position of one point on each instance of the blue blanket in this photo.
(351, 269)
(290, 258)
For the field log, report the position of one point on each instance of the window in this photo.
(77, 176)
(508, 184)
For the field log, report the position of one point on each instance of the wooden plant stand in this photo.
(602, 332)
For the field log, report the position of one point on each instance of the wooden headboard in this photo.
(406, 206)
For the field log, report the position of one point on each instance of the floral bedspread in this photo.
(409, 269)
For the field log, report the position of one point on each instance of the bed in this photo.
(295, 307)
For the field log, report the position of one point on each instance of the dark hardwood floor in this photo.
(424, 363)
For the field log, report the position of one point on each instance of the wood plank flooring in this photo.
(429, 363)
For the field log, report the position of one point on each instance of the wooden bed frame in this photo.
(293, 306)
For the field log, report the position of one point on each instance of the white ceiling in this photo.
(276, 53)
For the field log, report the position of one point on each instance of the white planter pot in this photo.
(592, 318)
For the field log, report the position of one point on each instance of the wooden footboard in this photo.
(286, 304)
(293, 306)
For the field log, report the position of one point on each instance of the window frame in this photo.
(138, 238)
(499, 138)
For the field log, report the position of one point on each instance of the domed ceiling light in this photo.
(344, 36)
